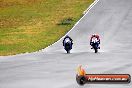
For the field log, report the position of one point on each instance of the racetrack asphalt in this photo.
(53, 68)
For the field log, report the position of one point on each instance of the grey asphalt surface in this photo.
(53, 68)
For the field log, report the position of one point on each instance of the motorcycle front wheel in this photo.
(96, 50)
(68, 51)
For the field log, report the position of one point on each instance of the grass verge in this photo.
(30, 25)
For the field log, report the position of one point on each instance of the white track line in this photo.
(86, 12)
(42, 50)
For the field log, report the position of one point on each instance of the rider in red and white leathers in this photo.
(96, 38)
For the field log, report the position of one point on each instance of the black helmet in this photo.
(67, 36)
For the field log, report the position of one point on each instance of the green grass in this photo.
(30, 25)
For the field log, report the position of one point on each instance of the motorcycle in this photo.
(95, 46)
(68, 46)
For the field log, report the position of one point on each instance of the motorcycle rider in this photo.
(67, 39)
(95, 38)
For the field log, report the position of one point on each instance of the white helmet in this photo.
(93, 35)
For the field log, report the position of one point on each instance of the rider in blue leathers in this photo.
(67, 38)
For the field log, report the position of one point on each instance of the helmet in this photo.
(93, 35)
(67, 36)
